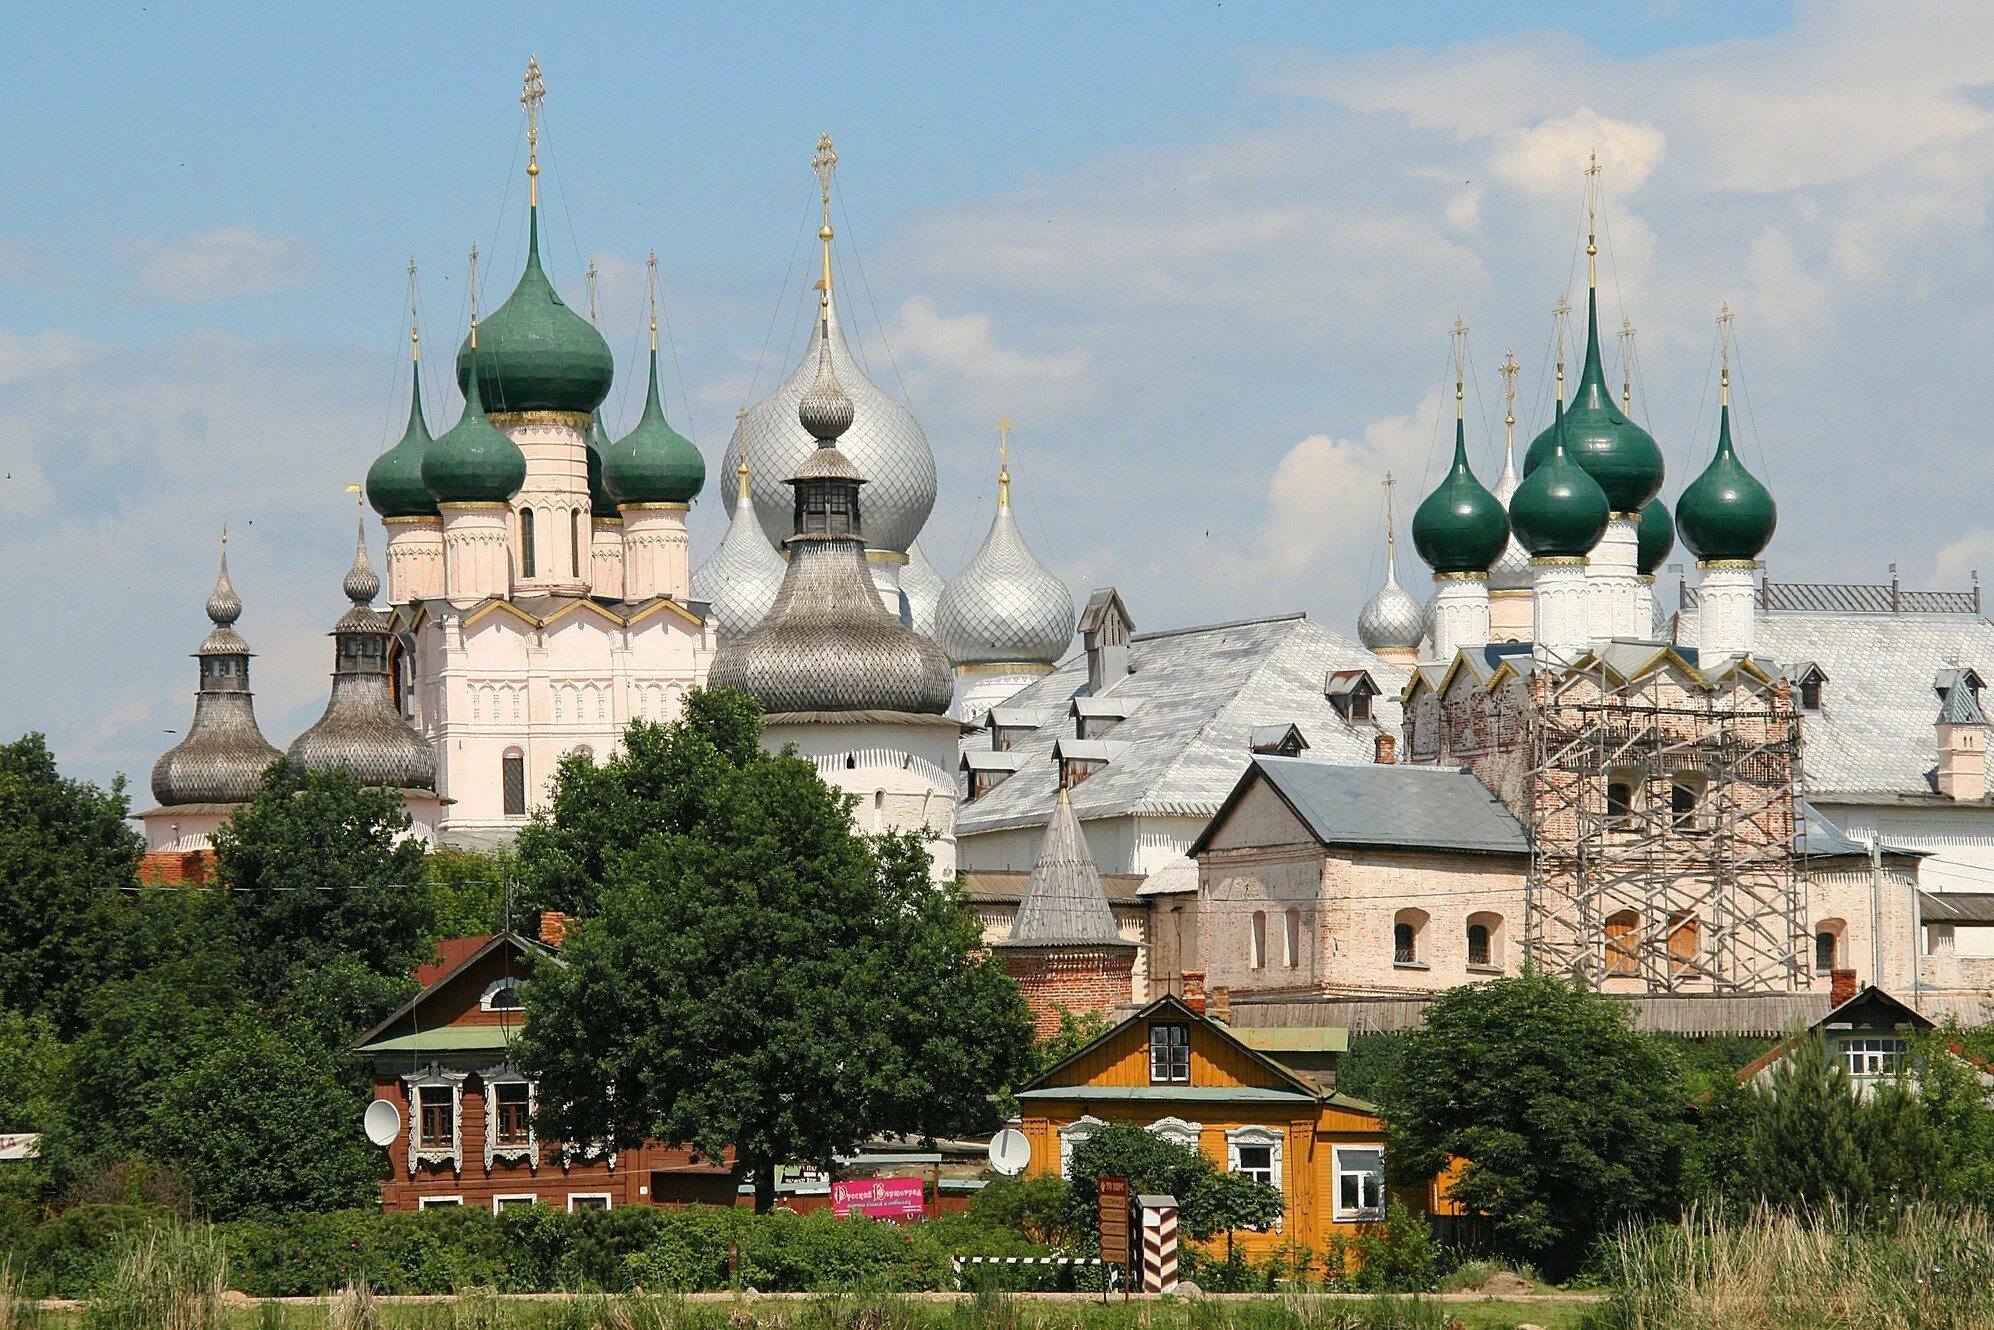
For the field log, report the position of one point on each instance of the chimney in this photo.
(1219, 1007)
(1841, 987)
(1962, 744)
(553, 928)
(1194, 990)
(1385, 750)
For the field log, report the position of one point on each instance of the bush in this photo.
(72, 1255)
(162, 1279)
(1040, 1208)
(1399, 1255)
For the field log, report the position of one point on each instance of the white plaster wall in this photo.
(1957, 838)
(1121, 844)
(1870, 907)
(899, 774)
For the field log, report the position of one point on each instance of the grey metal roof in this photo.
(1957, 907)
(1064, 904)
(1413, 807)
(1960, 707)
(990, 759)
(1853, 598)
(1203, 692)
(1873, 733)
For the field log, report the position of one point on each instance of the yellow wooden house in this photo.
(1272, 1113)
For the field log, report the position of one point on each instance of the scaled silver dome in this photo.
(922, 586)
(884, 442)
(362, 730)
(224, 754)
(1391, 619)
(740, 578)
(1511, 570)
(1005, 607)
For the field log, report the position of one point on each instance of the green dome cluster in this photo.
(1725, 514)
(1460, 527)
(653, 463)
(1559, 511)
(394, 482)
(601, 502)
(1656, 537)
(1612, 449)
(473, 462)
(534, 353)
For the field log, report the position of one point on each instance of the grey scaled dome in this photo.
(740, 578)
(922, 586)
(884, 442)
(362, 731)
(1005, 607)
(224, 754)
(1391, 619)
(1511, 570)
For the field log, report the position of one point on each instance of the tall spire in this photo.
(362, 583)
(531, 97)
(474, 297)
(1508, 369)
(1626, 366)
(1459, 527)
(1391, 531)
(595, 308)
(824, 163)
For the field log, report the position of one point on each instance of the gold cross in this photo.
(1508, 369)
(1626, 362)
(824, 163)
(651, 280)
(414, 333)
(534, 93)
(1004, 428)
(1724, 339)
(595, 311)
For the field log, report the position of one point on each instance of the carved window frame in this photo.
(1070, 1137)
(506, 1074)
(433, 1076)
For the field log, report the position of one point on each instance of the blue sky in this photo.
(1206, 256)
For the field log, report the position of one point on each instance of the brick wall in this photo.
(177, 868)
(1082, 980)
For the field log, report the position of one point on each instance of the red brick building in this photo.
(465, 1112)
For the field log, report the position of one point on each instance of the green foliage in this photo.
(1209, 1201)
(1399, 1255)
(66, 852)
(72, 1254)
(1075, 1032)
(467, 891)
(34, 1068)
(162, 1279)
(1366, 1069)
(318, 869)
(753, 973)
(1043, 1209)
(1571, 1123)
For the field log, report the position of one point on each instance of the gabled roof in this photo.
(1960, 706)
(1203, 692)
(1385, 806)
(991, 759)
(1956, 907)
(453, 958)
(1869, 1009)
(1098, 607)
(1173, 1007)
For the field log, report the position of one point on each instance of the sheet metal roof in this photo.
(1409, 807)
(1957, 907)
(1203, 692)
(1873, 734)
(1065, 903)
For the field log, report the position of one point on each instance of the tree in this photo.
(1227, 1202)
(1570, 1122)
(264, 1125)
(754, 974)
(467, 891)
(319, 866)
(1209, 1202)
(66, 852)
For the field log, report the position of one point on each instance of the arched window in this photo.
(1291, 937)
(576, 531)
(1827, 945)
(1685, 944)
(526, 542)
(1623, 792)
(512, 777)
(501, 995)
(1259, 940)
(1623, 944)
(1686, 791)
(1484, 941)
(1407, 925)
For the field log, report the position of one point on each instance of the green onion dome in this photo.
(534, 353)
(394, 482)
(601, 502)
(1725, 514)
(1656, 537)
(473, 462)
(653, 463)
(1460, 527)
(1614, 451)
(1559, 511)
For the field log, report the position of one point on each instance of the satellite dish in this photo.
(1010, 1152)
(383, 1121)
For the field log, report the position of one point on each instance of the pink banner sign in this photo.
(879, 1198)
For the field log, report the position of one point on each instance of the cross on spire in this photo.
(1459, 336)
(1626, 364)
(1508, 369)
(1561, 315)
(1004, 428)
(414, 330)
(1724, 317)
(1592, 218)
(1391, 521)
(651, 281)
(530, 98)
(474, 297)
(595, 309)
(824, 163)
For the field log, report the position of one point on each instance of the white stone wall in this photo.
(900, 774)
(1613, 587)
(1121, 844)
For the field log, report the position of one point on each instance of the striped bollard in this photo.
(1159, 1243)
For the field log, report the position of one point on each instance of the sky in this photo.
(1205, 256)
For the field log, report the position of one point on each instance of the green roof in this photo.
(1197, 1094)
(653, 463)
(1725, 514)
(534, 353)
(1656, 537)
(394, 482)
(473, 462)
(1612, 449)
(1559, 511)
(448, 1039)
(1460, 527)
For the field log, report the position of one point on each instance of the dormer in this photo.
(1943, 681)
(1105, 632)
(1008, 725)
(984, 769)
(1351, 692)
(1279, 741)
(1080, 759)
(1096, 717)
(1809, 684)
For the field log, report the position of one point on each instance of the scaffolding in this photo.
(1665, 847)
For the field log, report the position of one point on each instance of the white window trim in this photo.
(498, 1202)
(1268, 1136)
(438, 1202)
(435, 1075)
(493, 1077)
(1070, 1137)
(1178, 1130)
(608, 1200)
(1336, 1171)
(494, 988)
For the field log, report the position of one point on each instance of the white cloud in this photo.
(1549, 156)
(957, 353)
(223, 264)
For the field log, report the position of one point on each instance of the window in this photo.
(1257, 1162)
(1827, 945)
(1255, 1152)
(1622, 789)
(513, 778)
(1685, 944)
(514, 1114)
(1360, 706)
(501, 995)
(1478, 944)
(509, 1202)
(1686, 790)
(1407, 927)
(438, 1109)
(587, 1200)
(1259, 954)
(1623, 944)
(1360, 1182)
(1070, 1137)
(1484, 940)
(1811, 680)
(437, 1202)
(1869, 1058)
(1177, 1131)
(526, 542)
(1169, 1055)
(576, 541)
(1291, 938)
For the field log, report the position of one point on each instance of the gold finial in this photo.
(1626, 365)
(1592, 220)
(359, 498)
(741, 474)
(824, 163)
(1509, 369)
(595, 308)
(1459, 335)
(534, 93)
(224, 540)
(414, 331)
(1724, 350)
(1391, 524)
(1004, 428)
(474, 297)
(1561, 315)
(651, 280)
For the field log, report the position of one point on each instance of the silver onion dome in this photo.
(1391, 619)
(1005, 607)
(828, 644)
(922, 586)
(740, 578)
(1511, 570)
(224, 753)
(883, 441)
(362, 730)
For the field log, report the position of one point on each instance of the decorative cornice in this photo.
(435, 522)
(1559, 561)
(884, 556)
(579, 421)
(480, 505)
(1751, 564)
(1461, 577)
(653, 507)
(1037, 667)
